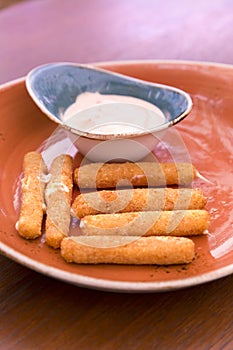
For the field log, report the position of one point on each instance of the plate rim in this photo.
(115, 285)
(112, 285)
(163, 61)
(128, 62)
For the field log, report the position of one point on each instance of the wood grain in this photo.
(85, 31)
(7, 3)
(38, 312)
(41, 313)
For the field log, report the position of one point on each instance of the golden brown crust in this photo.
(29, 224)
(58, 195)
(156, 223)
(145, 250)
(110, 175)
(134, 200)
(139, 226)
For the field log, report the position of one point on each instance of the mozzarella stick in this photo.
(150, 223)
(134, 200)
(110, 175)
(142, 251)
(30, 220)
(58, 195)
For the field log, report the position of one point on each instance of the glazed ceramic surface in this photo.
(206, 135)
(55, 86)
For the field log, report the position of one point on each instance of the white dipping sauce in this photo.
(112, 114)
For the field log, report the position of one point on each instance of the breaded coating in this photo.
(58, 194)
(110, 175)
(116, 250)
(134, 200)
(30, 220)
(150, 223)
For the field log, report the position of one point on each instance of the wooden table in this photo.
(41, 313)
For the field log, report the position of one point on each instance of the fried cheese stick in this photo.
(30, 220)
(134, 200)
(110, 175)
(116, 250)
(58, 195)
(150, 223)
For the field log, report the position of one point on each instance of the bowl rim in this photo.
(9, 83)
(98, 136)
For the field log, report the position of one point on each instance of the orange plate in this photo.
(207, 133)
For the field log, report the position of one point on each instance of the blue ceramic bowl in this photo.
(54, 87)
